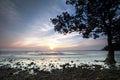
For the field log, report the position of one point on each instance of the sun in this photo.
(52, 46)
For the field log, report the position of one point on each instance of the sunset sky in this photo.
(25, 24)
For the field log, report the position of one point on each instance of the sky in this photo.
(25, 24)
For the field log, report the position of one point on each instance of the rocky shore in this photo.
(82, 72)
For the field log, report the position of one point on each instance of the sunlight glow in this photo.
(52, 46)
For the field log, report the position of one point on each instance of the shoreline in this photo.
(83, 72)
(24, 66)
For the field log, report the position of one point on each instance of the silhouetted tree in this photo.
(92, 18)
(116, 46)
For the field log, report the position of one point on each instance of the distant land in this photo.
(116, 46)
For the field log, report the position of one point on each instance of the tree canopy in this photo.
(92, 18)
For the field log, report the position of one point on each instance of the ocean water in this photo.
(53, 59)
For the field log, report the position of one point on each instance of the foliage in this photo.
(92, 18)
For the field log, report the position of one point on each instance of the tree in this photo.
(92, 18)
(116, 46)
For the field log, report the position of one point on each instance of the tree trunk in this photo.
(110, 57)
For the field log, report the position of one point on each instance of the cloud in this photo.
(43, 35)
(26, 24)
(8, 12)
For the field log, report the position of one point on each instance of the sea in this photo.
(53, 59)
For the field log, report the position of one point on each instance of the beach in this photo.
(57, 65)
